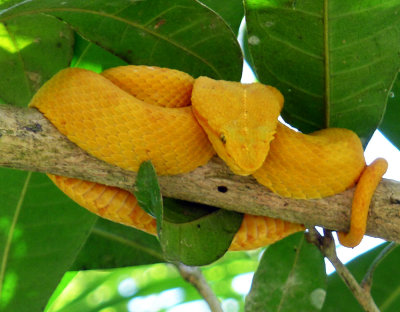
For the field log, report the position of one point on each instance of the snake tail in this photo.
(363, 193)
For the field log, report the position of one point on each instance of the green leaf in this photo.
(113, 245)
(87, 282)
(67, 278)
(102, 289)
(390, 126)
(190, 233)
(41, 232)
(334, 61)
(385, 286)
(201, 239)
(147, 191)
(24, 65)
(181, 34)
(232, 11)
(291, 277)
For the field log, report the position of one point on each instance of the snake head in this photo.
(239, 119)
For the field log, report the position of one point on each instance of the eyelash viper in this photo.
(130, 114)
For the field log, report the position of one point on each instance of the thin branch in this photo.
(366, 283)
(29, 142)
(194, 276)
(327, 246)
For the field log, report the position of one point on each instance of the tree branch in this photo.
(29, 142)
(194, 276)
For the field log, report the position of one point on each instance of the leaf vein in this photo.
(11, 231)
(358, 92)
(347, 14)
(366, 38)
(363, 66)
(291, 85)
(292, 46)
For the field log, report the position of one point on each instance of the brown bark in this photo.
(29, 142)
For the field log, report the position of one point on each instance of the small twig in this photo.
(326, 244)
(194, 276)
(366, 283)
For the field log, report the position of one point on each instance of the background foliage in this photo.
(336, 62)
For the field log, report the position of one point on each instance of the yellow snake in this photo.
(130, 114)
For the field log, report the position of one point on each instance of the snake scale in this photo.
(130, 114)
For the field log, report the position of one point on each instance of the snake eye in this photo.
(222, 138)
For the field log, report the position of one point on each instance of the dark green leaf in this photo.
(41, 232)
(291, 277)
(147, 190)
(231, 11)
(197, 239)
(32, 49)
(189, 233)
(334, 61)
(390, 126)
(181, 34)
(385, 284)
(112, 245)
(180, 211)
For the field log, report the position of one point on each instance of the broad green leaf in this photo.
(190, 233)
(385, 286)
(32, 49)
(334, 61)
(112, 245)
(198, 240)
(41, 232)
(390, 126)
(231, 11)
(181, 34)
(290, 277)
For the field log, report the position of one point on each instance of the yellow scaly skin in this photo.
(112, 117)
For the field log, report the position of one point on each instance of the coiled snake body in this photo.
(130, 114)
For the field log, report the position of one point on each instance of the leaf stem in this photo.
(326, 245)
(194, 276)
